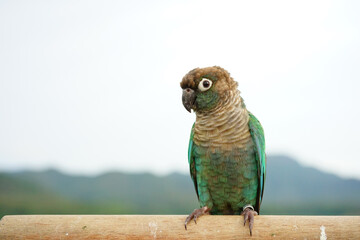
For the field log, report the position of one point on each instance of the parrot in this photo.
(226, 152)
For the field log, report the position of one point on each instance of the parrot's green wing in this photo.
(257, 134)
(192, 160)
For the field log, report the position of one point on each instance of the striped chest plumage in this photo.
(224, 157)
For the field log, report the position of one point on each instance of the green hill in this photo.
(290, 189)
(294, 189)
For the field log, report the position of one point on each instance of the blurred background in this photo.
(91, 118)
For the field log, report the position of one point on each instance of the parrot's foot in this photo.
(195, 214)
(249, 214)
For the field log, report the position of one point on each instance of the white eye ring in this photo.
(205, 84)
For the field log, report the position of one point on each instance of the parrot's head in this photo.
(206, 88)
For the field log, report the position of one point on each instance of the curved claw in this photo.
(249, 214)
(196, 214)
(246, 217)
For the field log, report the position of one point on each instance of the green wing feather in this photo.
(191, 160)
(257, 134)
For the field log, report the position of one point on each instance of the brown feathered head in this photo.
(204, 88)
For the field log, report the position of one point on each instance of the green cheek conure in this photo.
(227, 146)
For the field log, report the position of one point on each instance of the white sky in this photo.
(91, 86)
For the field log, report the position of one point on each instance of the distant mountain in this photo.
(290, 189)
(294, 189)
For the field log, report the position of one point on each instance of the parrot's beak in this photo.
(188, 98)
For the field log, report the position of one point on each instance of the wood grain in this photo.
(172, 227)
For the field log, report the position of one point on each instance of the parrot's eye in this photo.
(205, 84)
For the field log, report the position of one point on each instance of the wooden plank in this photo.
(172, 227)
